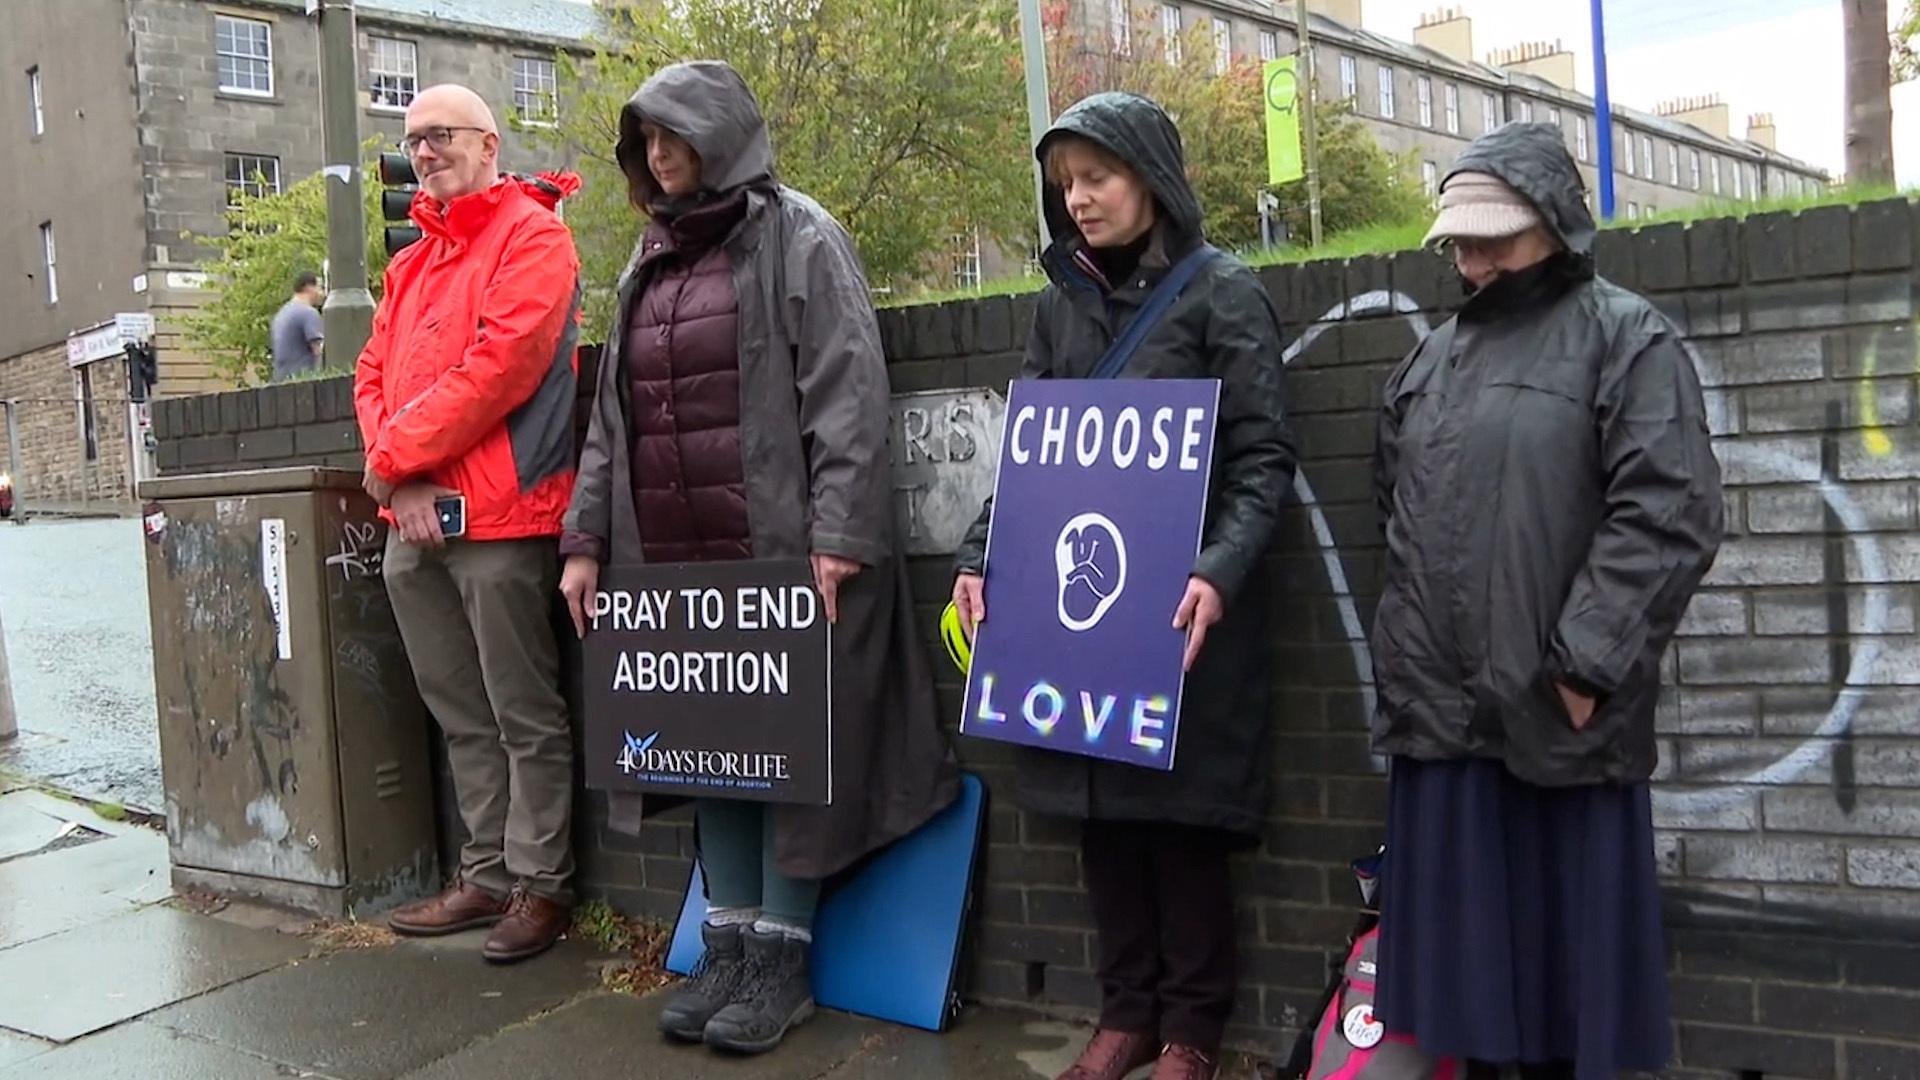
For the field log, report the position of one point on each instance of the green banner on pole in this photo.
(1280, 86)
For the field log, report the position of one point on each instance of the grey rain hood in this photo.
(1533, 160)
(1550, 501)
(707, 103)
(814, 415)
(1139, 132)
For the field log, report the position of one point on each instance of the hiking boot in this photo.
(775, 993)
(708, 989)
(1111, 1055)
(532, 925)
(1184, 1063)
(463, 906)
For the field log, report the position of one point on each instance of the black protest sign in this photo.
(710, 679)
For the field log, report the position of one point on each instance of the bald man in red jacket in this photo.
(466, 388)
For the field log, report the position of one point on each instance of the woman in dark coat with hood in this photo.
(742, 412)
(1155, 844)
(1551, 501)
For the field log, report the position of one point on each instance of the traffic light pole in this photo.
(348, 313)
(1309, 96)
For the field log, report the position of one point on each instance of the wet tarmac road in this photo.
(73, 598)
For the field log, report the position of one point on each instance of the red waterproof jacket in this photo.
(468, 381)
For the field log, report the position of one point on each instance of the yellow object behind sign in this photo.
(959, 649)
(1281, 88)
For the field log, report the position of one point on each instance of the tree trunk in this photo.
(1869, 93)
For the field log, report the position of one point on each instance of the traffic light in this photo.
(143, 370)
(396, 173)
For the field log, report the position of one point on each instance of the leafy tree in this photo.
(1906, 45)
(271, 238)
(1361, 183)
(902, 118)
(1223, 127)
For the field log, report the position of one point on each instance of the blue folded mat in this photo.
(886, 940)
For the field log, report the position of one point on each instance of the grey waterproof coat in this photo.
(813, 443)
(1222, 326)
(1551, 501)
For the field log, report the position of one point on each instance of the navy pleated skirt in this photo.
(1520, 924)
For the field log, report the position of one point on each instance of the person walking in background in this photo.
(742, 412)
(1551, 501)
(296, 332)
(1155, 845)
(465, 393)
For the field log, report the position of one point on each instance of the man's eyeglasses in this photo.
(437, 137)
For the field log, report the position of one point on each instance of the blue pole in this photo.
(1603, 110)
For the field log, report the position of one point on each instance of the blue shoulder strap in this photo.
(1158, 301)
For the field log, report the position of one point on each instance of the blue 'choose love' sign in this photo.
(1097, 517)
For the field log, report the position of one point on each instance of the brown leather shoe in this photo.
(1111, 1055)
(532, 925)
(1184, 1063)
(463, 906)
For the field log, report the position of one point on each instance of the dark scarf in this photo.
(1539, 284)
(699, 221)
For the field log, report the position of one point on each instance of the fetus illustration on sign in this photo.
(1090, 556)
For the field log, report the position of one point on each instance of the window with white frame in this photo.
(963, 257)
(1673, 164)
(49, 262)
(1386, 91)
(1626, 158)
(1693, 169)
(393, 72)
(1349, 78)
(35, 104)
(1526, 112)
(1753, 182)
(536, 90)
(1489, 111)
(1739, 181)
(1553, 115)
(252, 174)
(1713, 173)
(1581, 139)
(1269, 46)
(1170, 30)
(1423, 91)
(1222, 46)
(1120, 26)
(244, 50)
(1453, 108)
(1633, 211)
(1430, 178)
(1646, 156)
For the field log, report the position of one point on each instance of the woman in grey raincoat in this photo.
(1154, 845)
(742, 412)
(1551, 501)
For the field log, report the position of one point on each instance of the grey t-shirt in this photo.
(295, 327)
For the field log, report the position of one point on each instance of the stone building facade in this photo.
(128, 122)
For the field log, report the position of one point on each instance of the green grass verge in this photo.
(1389, 237)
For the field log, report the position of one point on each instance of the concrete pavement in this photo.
(105, 975)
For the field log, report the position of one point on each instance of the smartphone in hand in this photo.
(452, 512)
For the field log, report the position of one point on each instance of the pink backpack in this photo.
(1349, 1044)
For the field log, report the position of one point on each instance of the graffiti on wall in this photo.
(1859, 578)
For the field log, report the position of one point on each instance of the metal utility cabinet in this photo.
(293, 744)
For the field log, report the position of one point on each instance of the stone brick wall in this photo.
(54, 466)
(1788, 801)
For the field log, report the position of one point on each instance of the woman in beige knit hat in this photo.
(1551, 501)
